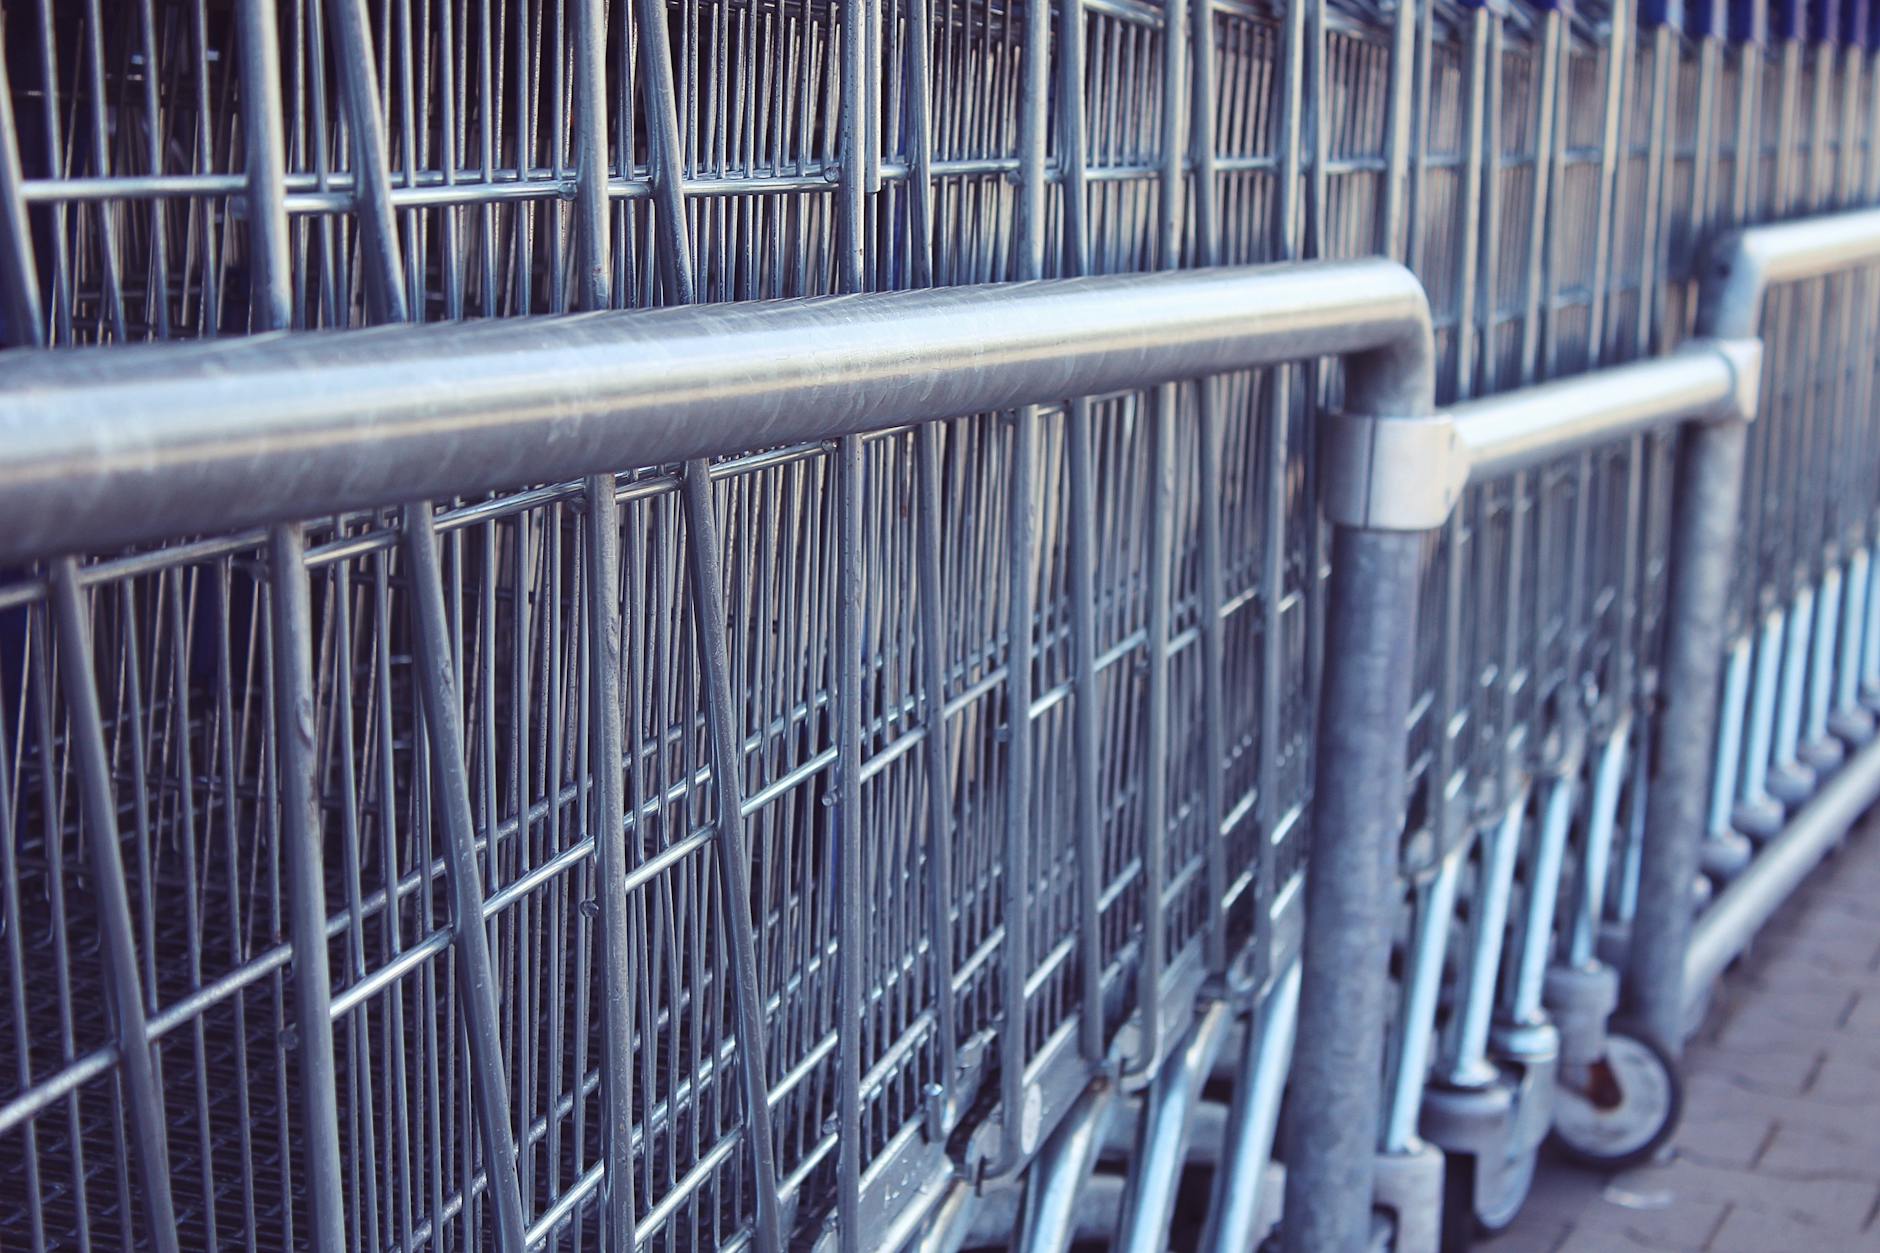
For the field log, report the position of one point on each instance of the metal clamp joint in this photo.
(1391, 474)
(1744, 357)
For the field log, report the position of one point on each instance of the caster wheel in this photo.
(1468, 1214)
(1622, 1109)
(1495, 1214)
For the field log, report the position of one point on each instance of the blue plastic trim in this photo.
(1855, 16)
(1824, 21)
(1747, 21)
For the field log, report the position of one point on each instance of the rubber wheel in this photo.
(1624, 1110)
(1467, 1216)
(1495, 1214)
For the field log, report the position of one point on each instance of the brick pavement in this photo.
(1780, 1145)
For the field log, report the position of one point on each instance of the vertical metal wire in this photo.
(137, 1067)
(851, 891)
(1651, 291)
(1396, 225)
(271, 299)
(851, 888)
(1317, 141)
(16, 1003)
(1274, 518)
(1703, 209)
(602, 547)
(1020, 638)
(157, 295)
(666, 155)
(940, 859)
(1208, 499)
(1486, 329)
(19, 278)
(97, 128)
(1618, 57)
(708, 616)
(1081, 554)
(594, 288)
(917, 128)
(1158, 590)
(54, 141)
(303, 837)
(378, 227)
(437, 685)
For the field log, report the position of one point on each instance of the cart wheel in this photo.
(1495, 1214)
(1621, 1109)
(1467, 1214)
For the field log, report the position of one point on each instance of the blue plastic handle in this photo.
(1854, 19)
(1747, 24)
(1824, 19)
(1785, 20)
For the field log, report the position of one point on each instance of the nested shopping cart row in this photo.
(443, 722)
(1554, 178)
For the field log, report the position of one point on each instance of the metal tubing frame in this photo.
(1670, 963)
(382, 262)
(1162, 1135)
(1725, 929)
(229, 437)
(1369, 630)
(1388, 483)
(1407, 476)
(438, 686)
(602, 587)
(1433, 904)
(1465, 1057)
(1048, 1213)
(1359, 800)
(149, 1148)
(438, 411)
(1236, 1207)
(420, 412)
(1601, 824)
(301, 834)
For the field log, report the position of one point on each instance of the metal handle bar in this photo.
(1407, 476)
(133, 444)
(1743, 266)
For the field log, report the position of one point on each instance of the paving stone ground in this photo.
(1779, 1151)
